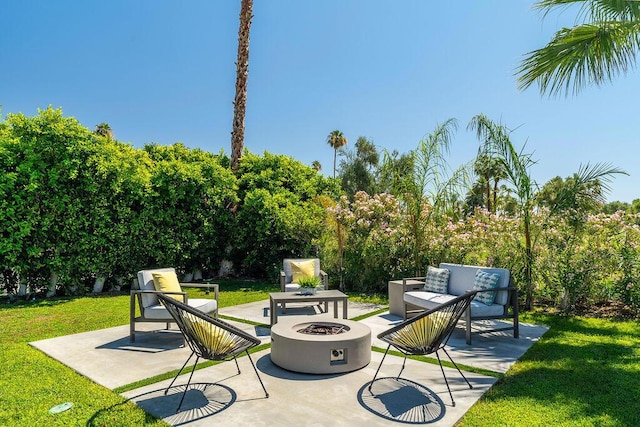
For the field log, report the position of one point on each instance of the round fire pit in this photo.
(321, 347)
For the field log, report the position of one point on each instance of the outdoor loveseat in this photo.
(449, 281)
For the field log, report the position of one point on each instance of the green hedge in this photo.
(76, 206)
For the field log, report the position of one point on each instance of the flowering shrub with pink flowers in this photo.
(579, 260)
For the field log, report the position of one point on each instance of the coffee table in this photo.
(334, 295)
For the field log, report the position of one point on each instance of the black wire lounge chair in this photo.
(208, 338)
(427, 333)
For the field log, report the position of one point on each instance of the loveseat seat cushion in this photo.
(425, 299)
(429, 300)
(159, 312)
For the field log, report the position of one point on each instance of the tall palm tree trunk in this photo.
(242, 74)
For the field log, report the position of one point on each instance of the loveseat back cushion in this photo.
(462, 277)
(483, 282)
(145, 283)
(436, 280)
(288, 270)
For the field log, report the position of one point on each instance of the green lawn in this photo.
(583, 372)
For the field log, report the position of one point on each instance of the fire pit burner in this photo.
(323, 329)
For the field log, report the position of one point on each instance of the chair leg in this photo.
(178, 374)
(445, 379)
(379, 366)
(235, 359)
(132, 319)
(456, 365)
(404, 361)
(257, 374)
(186, 387)
(467, 317)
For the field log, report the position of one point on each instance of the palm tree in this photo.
(316, 165)
(496, 143)
(242, 74)
(336, 140)
(593, 52)
(489, 169)
(103, 129)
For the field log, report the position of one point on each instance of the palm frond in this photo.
(594, 10)
(430, 164)
(601, 172)
(582, 55)
(591, 182)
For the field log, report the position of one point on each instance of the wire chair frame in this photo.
(208, 338)
(427, 333)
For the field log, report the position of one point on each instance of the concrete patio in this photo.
(218, 394)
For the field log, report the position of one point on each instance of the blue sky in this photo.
(164, 71)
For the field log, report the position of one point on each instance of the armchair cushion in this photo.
(167, 281)
(483, 281)
(160, 313)
(301, 269)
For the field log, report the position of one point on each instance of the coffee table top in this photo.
(330, 295)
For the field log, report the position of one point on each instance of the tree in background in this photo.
(358, 172)
(242, 75)
(424, 185)
(489, 172)
(336, 140)
(280, 212)
(496, 143)
(103, 129)
(593, 52)
(613, 207)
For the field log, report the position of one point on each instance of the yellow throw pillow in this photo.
(214, 338)
(303, 269)
(167, 282)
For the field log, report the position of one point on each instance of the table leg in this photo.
(273, 311)
(344, 308)
(326, 306)
(335, 309)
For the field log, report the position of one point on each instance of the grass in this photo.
(583, 372)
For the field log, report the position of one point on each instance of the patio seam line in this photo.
(425, 359)
(170, 374)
